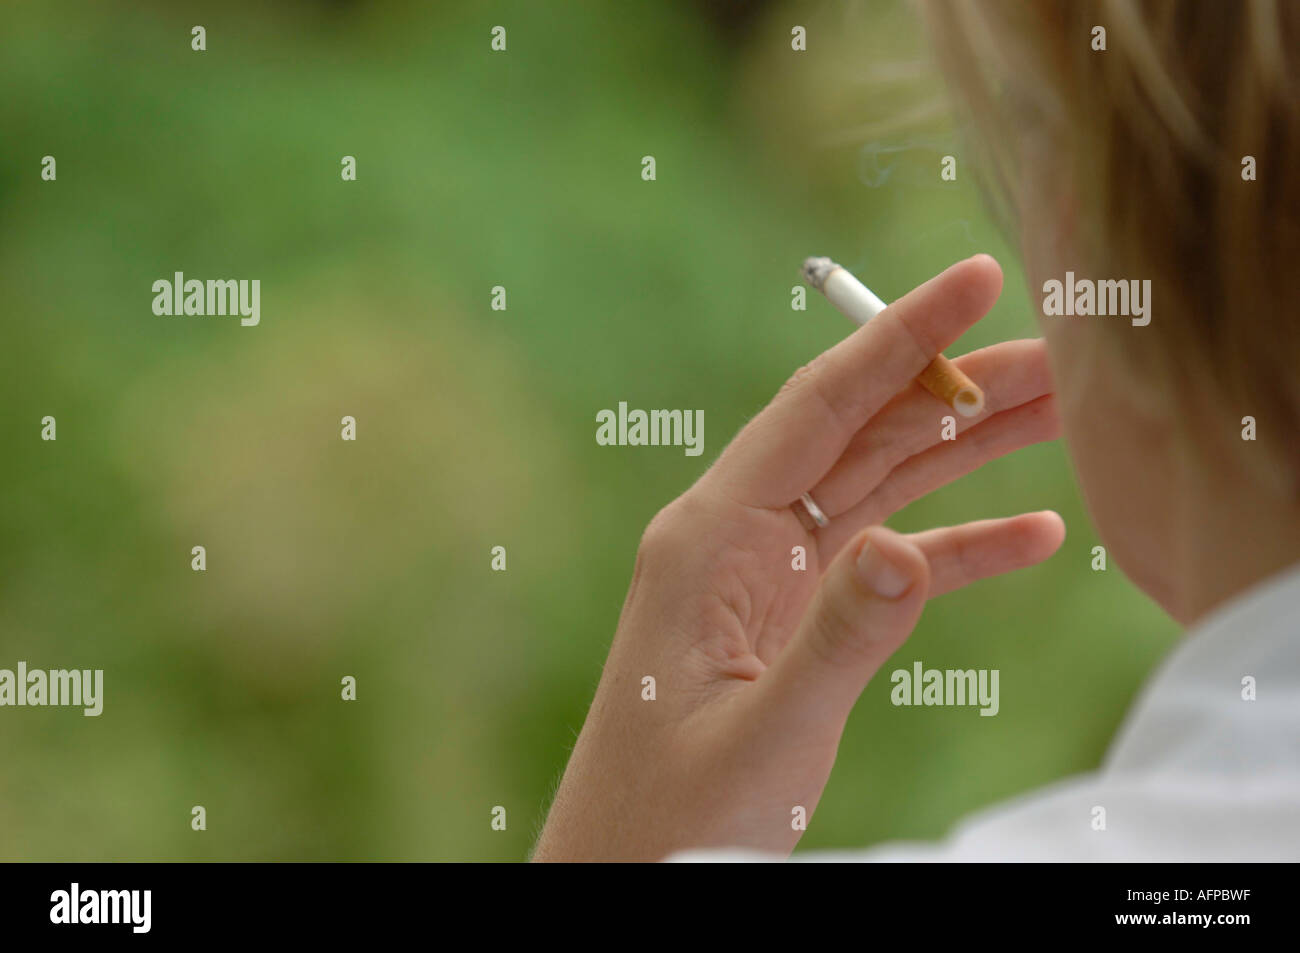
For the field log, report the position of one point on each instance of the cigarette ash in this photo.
(816, 270)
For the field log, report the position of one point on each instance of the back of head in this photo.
(1150, 139)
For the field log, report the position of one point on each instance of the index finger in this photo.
(796, 439)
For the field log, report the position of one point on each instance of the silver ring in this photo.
(815, 511)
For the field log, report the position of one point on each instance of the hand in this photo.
(757, 664)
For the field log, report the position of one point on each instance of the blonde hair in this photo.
(1152, 134)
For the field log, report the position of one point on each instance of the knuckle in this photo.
(834, 629)
(663, 535)
(828, 638)
(799, 377)
(842, 409)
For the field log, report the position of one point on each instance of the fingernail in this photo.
(883, 577)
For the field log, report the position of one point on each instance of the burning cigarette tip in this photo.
(815, 271)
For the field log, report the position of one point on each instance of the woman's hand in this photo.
(756, 663)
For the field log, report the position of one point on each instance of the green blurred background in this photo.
(475, 427)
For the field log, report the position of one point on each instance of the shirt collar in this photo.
(1193, 716)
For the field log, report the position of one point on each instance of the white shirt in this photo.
(1196, 773)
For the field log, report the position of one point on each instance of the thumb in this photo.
(866, 606)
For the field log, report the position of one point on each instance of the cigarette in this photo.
(854, 300)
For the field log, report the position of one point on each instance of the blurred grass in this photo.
(476, 427)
